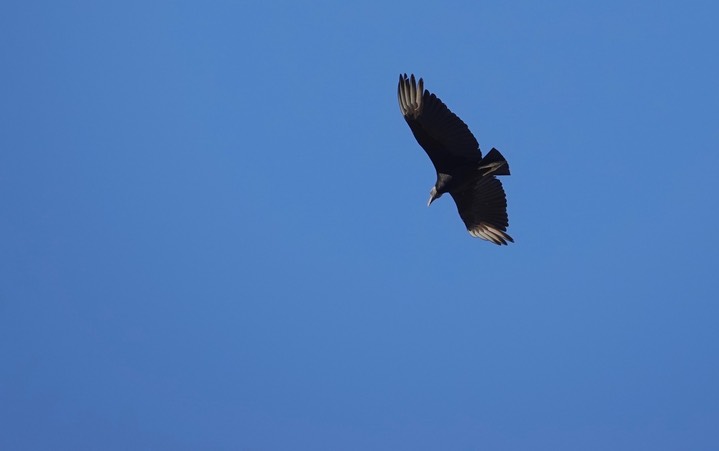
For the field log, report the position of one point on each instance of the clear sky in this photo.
(214, 232)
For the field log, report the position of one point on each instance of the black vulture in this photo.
(461, 171)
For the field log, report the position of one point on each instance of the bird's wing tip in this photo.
(490, 233)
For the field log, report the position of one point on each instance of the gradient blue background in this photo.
(214, 233)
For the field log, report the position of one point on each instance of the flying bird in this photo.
(461, 171)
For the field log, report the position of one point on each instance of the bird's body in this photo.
(461, 170)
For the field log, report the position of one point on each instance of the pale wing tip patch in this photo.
(409, 96)
(490, 233)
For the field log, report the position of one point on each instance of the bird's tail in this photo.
(494, 163)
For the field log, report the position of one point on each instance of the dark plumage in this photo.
(461, 171)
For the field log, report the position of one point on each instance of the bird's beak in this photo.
(432, 196)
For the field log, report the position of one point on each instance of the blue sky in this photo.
(215, 233)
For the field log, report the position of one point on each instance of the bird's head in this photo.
(434, 194)
(444, 181)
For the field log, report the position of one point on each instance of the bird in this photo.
(461, 171)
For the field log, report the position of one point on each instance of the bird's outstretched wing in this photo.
(444, 136)
(483, 208)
